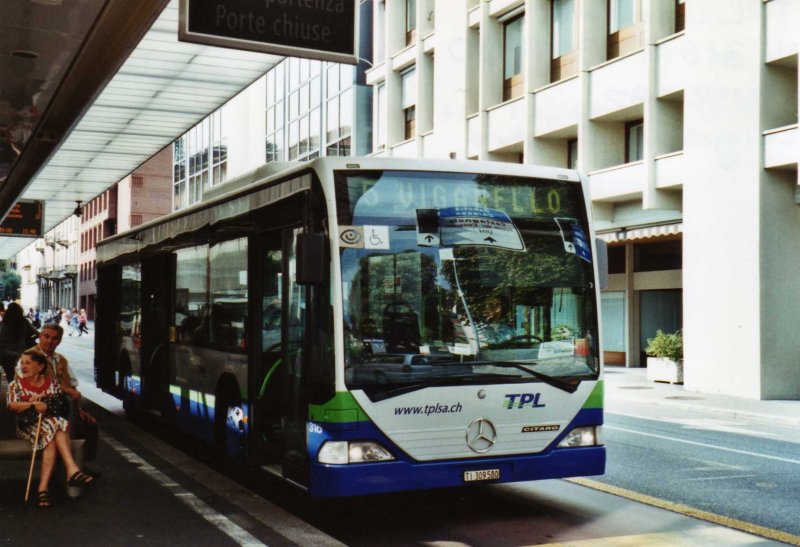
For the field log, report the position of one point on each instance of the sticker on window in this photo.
(376, 237)
(478, 226)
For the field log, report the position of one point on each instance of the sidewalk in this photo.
(631, 385)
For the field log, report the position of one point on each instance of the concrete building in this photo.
(48, 269)
(684, 118)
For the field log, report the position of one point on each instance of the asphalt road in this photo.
(744, 471)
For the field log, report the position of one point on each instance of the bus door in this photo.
(295, 353)
(108, 370)
(268, 373)
(156, 296)
(281, 397)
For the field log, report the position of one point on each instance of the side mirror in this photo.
(601, 254)
(311, 253)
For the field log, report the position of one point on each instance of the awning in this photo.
(643, 232)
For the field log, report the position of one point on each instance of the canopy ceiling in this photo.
(162, 88)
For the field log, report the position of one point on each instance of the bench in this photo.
(19, 449)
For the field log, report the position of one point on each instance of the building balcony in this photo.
(670, 172)
(618, 85)
(671, 54)
(507, 124)
(405, 149)
(71, 270)
(558, 106)
(782, 21)
(781, 147)
(376, 74)
(618, 183)
(405, 57)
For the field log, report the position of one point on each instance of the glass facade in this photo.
(199, 161)
(309, 109)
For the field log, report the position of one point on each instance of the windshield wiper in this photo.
(446, 381)
(568, 386)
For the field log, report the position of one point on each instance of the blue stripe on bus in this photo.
(405, 473)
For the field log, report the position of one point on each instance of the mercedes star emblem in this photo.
(481, 435)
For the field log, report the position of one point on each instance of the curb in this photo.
(718, 411)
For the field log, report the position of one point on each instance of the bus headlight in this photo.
(341, 452)
(582, 436)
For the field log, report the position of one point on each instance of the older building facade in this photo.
(683, 117)
(142, 196)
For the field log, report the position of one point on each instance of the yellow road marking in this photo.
(736, 524)
(689, 538)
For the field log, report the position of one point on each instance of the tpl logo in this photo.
(521, 400)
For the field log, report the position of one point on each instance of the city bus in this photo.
(368, 325)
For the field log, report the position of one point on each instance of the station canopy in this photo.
(68, 131)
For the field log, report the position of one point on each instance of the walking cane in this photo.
(33, 457)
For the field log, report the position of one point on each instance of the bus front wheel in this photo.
(228, 423)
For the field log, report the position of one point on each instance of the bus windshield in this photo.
(453, 278)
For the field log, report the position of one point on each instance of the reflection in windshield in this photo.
(502, 279)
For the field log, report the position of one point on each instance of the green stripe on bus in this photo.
(595, 399)
(341, 409)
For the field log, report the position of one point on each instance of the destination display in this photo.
(26, 219)
(393, 194)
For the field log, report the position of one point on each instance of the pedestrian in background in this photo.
(82, 322)
(74, 322)
(16, 334)
(64, 319)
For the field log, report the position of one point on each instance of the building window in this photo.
(634, 141)
(137, 181)
(680, 15)
(624, 27)
(512, 57)
(380, 117)
(409, 101)
(276, 93)
(219, 150)
(136, 220)
(572, 153)
(653, 257)
(411, 21)
(339, 107)
(564, 57)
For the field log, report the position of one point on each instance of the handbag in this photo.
(27, 418)
(57, 405)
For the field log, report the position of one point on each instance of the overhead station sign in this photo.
(26, 219)
(315, 29)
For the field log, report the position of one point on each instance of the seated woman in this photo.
(29, 391)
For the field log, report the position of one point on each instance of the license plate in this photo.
(481, 475)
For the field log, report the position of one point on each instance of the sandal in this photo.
(44, 499)
(79, 478)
